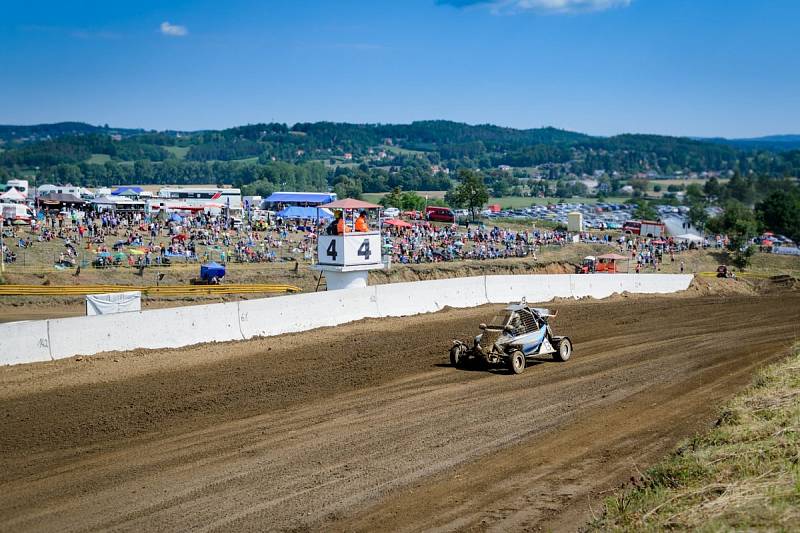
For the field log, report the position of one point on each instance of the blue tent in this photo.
(306, 213)
(212, 270)
(123, 190)
(301, 197)
(176, 218)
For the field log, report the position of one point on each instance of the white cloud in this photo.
(173, 30)
(541, 6)
(566, 6)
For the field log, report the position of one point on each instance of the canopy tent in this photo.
(61, 200)
(127, 191)
(175, 217)
(691, 237)
(350, 203)
(397, 223)
(300, 197)
(212, 270)
(117, 203)
(305, 213)
(12, 195)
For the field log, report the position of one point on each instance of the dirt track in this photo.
(367, 427)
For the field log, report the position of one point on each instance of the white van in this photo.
(16, 213)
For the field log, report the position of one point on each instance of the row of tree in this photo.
(454, 144)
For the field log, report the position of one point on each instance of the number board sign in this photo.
(352, 249)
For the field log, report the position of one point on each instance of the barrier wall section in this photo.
(159, 328)
(43, 340)
(24, 342)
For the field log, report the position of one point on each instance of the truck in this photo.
(645, 228)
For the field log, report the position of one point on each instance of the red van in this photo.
(440, 214)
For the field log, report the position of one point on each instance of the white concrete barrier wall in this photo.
(402, 299)
(24, 342)
(33, 341)
(160, 328)
(301, 312)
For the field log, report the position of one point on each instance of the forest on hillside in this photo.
(368, 157)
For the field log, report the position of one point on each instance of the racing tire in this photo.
(457, 356)
(563, 350)
(516, 362)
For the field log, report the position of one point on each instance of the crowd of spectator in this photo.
(138, 240)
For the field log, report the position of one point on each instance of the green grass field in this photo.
(99, 159)
(178, 151)
(666, 183)
(400, 151)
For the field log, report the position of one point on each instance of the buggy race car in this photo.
(510, 338)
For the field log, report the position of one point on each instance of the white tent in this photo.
(690, 237)
(12, 195)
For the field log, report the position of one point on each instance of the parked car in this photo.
(391, 212)
(439, 214)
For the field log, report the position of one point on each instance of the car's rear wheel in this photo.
(563, 350)
(516, 362)
(457, 355)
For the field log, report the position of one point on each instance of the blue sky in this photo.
(680, 67)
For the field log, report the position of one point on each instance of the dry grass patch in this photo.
(743, 475)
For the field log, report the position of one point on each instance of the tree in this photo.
(780, 212)
(470, 193)
(348, 188)
(393, 199)
(697, 215)
(639, 186)
(712, 188)
(694, 194)
(739, 223)
(645, 211)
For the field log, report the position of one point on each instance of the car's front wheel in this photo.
(563, 350)
(516, 362)
(457, 354)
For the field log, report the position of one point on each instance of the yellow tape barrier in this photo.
(163, 290)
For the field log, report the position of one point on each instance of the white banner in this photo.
(115, 302)
(351, 249)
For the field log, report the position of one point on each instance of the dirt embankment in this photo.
(366, 426)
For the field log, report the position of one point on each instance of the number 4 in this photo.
(364, 251)
(331, 251)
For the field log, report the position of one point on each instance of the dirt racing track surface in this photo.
(367, 427)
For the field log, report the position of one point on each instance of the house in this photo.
(348, 156)
(505, 168)
(116, 137)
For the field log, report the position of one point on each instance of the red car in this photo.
(440, 214)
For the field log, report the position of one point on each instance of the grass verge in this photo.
(742, 475)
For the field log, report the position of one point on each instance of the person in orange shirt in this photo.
(361, 222)
(341, 227)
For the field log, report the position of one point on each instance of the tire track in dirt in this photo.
(357, 428)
